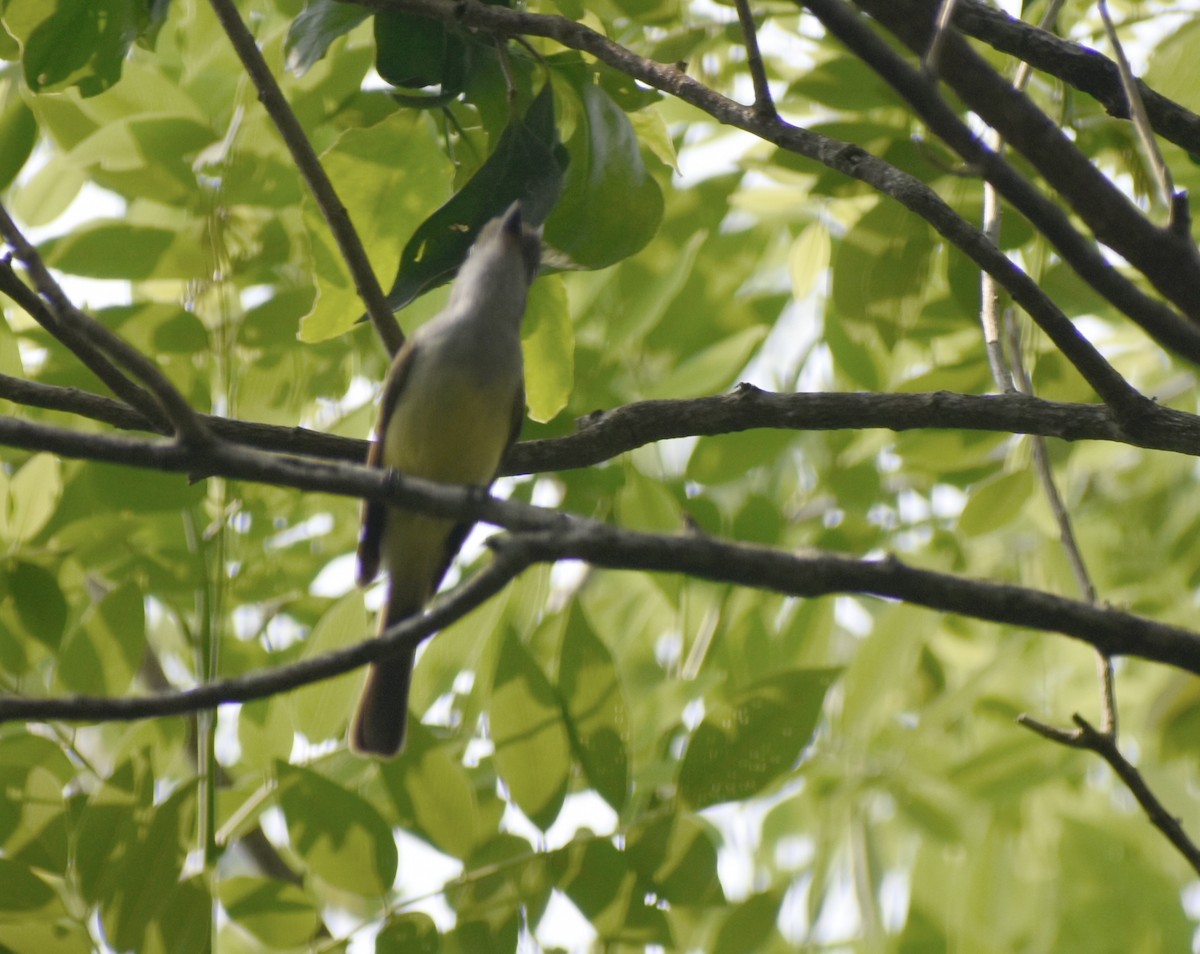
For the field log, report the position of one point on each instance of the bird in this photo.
(452, 404)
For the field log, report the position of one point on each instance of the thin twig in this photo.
(1087, 737)
(764, 105)
(1160, 172)
(1109, 719)
(932, 58)
(183, 418)
(310, 167)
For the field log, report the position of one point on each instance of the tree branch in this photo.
(1103, 744)
(409, 633)
(1169, 260)
(1079, 66)
(605, 435)
(853, 161)
(310, 167)
(184, 420)
(547, 536)
(92, 359)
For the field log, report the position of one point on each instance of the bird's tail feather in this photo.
(381, 722)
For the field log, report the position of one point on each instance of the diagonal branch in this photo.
(129, 392)
(409, 633)
(1086, 736)
(309, 165)
(1168, 259)
(855, 162)
(1079, 66)
(184, 420)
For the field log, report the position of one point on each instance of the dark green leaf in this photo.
(527, 164)
(743, 745)
(337, 834)
(319, 24)
(40, 604)
(611, 206)
(532, 745)
(749, 925)
(411, 933)
(74, 42)
(18, 133)
(677, 857)
(597, 715)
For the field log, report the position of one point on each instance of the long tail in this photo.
(381, 721)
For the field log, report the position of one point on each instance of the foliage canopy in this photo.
(674, 743)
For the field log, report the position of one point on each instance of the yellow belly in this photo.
(447, 429)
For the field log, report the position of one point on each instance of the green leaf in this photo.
(320, 711)
(319, 24)
(338, 835)
(527, 164)
(30, 498)
(73, 42)
(414, 52)
(997, 503)
(532, 745)
(745, 744)
(881, 270)
(101, 656)
(117, 249)
(280, 915)
(23, 890)
(145, 871)
(40, 604)
(749, 925)
(611, 206)
(440, 796)
(49, 192)
(548, 341)
(713, 369)
(412, 933)
(606, 889)
(809, 258)
(597, 716)
(389, 176)
(676, 856)
(184, 923)
(18, 133)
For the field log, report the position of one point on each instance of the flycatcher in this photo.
(452, 404)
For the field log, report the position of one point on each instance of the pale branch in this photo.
(1159, 170)
(269, 682)
(849, 159)
(1085, 736)
(1165, 256)
(1078, 66)
(310, 167)
(546, 536)
(604, 435)
(89, 356)
(183, 419)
